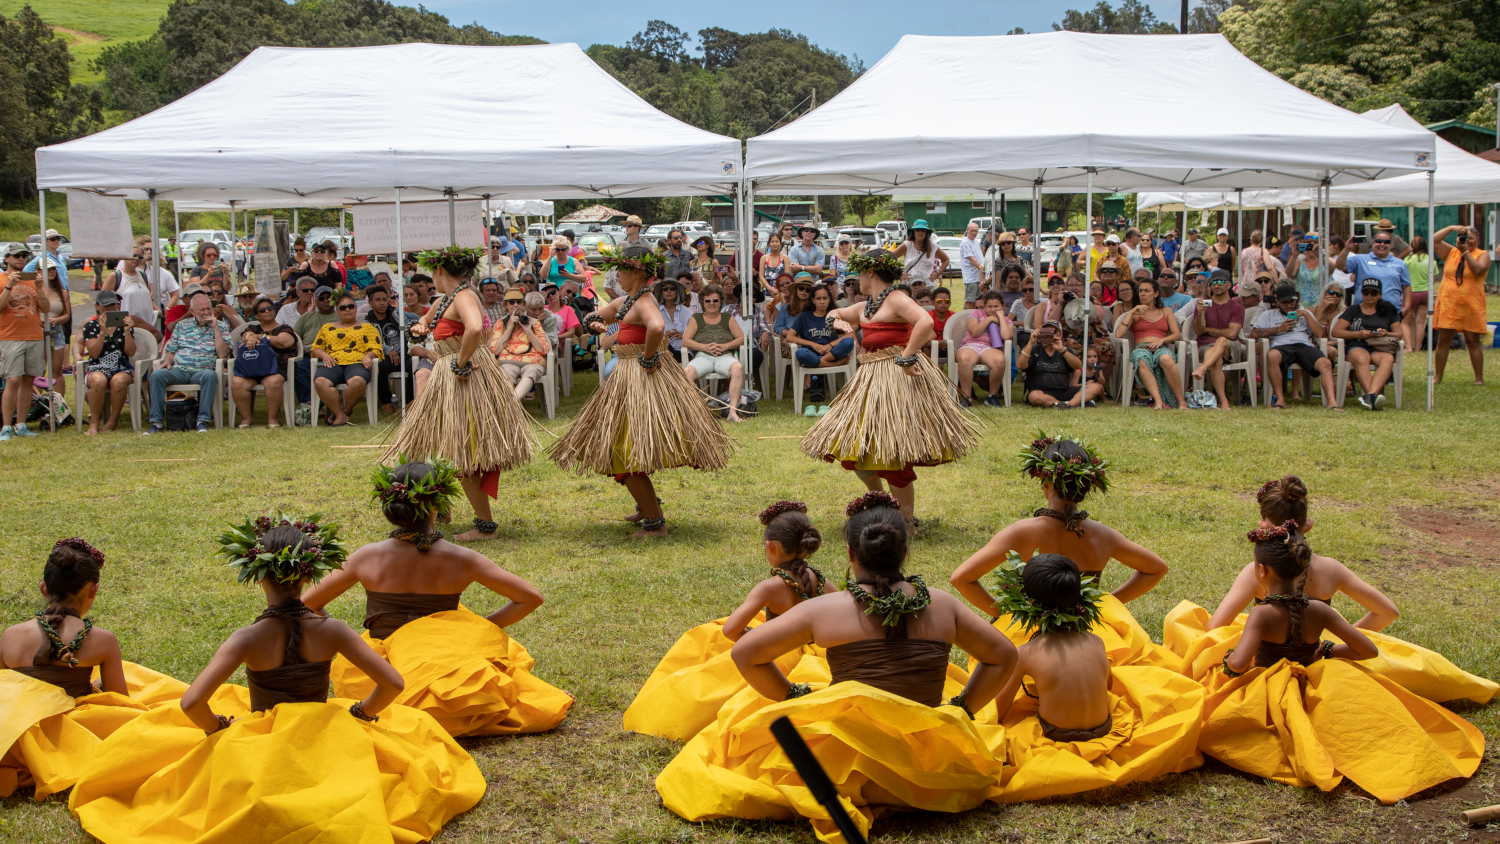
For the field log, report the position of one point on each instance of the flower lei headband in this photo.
(1036, 618)
(780, 507)
(1089, 469)
(875, 260)
(426, 496)
(319, 552)
(1284, 532)
(1265, 488)
(639, 259)
(81, 545)
(433, 259)
(869, 500)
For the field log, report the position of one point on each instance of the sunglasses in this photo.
(1028, 290)
(559, 249)
(58, 239)
(1387, 241)
(324, 296)
(265, 310)
(347, 307)
(304, 290)
(710, 301)
(138, 257)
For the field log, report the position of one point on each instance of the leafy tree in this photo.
(865, 207)
(661, 41)
(1132, 18)
(41, 105)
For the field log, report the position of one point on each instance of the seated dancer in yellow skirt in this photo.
(1305, 712)
(52, 713)
(460, 668)
(279, 762)
(1069, 470)
(875, 717)
(1201, 640)
(1086, 725)
(683, 695)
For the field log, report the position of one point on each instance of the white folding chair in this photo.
(1398, 373)
(954, 332)
(372, 408)
(845, 369)
(146, 349)
(563, 367)
(1127, 371)
(288, 390)
(781, 365)
(1239, 361)
(218, 401)
(1274, 382)
(145, 352)
(549, 383)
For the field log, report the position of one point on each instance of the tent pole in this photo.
(1411, 222)
(342, 232)
(177, 235)
(452, 224)
(41, 287)
(400, 304)
(1088, 279)
(1323, 247)
(1239, 222)
(154, 284)
(1036, 242)
(296, 224)
(1435, 278)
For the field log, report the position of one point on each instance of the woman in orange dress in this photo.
(1460, 298)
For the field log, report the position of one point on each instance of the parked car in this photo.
(951, 246)
(656, 232)
(318, 234)
(187, 244)
(694, 227)
(894, 229)
(538, 230)
(864, 238)
(590, 244)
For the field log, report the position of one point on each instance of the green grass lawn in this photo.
(1408, 499)
(91, 25)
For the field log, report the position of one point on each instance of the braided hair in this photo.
(787, 524)
(71, 567)
(876, 534)
(1284, 500)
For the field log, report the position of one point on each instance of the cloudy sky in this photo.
(867, 28)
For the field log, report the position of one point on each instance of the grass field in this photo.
(1408, 499)
(91, 25)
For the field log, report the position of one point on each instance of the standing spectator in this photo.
(1097, 249)
(788, 234)
(1113, 256)
(320, 267)
(632, 238)
(292, 311)
(1024, 248)
(54, 242)
(296, 260)
(1001, 257)
(489, 301)
(921, 255)
(197, 343)
(59, 314)
(1132, 251)
(838, 265)
(674, 313)
(561, 266)
(1195, 247)
(1399, 247)
(108, 371)
(389, 322)
(130, 279)
(348, 352)
(520, 343)
(1460, 306)
(807, 256)
(716, 337)
(1370, 330)
(1220, 254)
(497, 264)
(1153, 328)
(1217, 324)
(1170, 246)
(1067, 254)
(1291, 330)
(22, 347)
(1289, 248)
(1259, 257)
(1389, 272)
(1419, 270)
(1152, 258)
(979, 348)
(705, 265)
(679, 258)
(971, 262)
(1305, 270)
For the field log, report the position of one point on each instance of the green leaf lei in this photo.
(642, 260)
(875, 259)
(1035, 618)
(426, 496)
(892, 606)
(433, 259)
(319, 553)
(1036, 465)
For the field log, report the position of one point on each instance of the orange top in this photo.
(631, 334)
(447, 328)
(1145, 329)
(883, 335)
(20, 320)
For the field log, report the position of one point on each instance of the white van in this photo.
(895, 230)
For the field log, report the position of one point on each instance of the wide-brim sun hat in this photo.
(673, 283)
(920, 225)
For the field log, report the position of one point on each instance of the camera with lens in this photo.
(1069, 296)
(523, 319)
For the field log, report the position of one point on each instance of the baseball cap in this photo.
(106, 297)
(1286, 293)
(1217, 276)
(321, 290)
(1250, 288)
(1370, 284)
(51, 233)
(1193, 231)
(16, 249)
(1114, 238)
(515, 294)
(193, 288)
(844, 238)
(1224, 232)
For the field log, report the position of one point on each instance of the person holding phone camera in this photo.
(109, 342)
(1304, 272)
(1460, 305)
(1291, 329)
(22, 353)
(1371, 331)
(1049, 367)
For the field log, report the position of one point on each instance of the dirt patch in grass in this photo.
(1451, 537)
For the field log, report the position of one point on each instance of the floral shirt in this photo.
(112, 357)
(348, 343)
(192, 345)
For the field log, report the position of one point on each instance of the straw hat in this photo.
(1385, 225)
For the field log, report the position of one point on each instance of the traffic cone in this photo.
(88, 265)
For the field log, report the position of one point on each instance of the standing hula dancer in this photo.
(882, 424)
(647, 415)
(467, 413)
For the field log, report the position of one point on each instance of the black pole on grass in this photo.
(815, 778)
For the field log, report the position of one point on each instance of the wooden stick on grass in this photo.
(165, 460)
(1473, 817)
(377, 445)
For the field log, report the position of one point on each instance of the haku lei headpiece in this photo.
(1283, 532)
(319, 552)
(448, 256)
(780, 507)
(1036, 618)
(1090, 468)
(875, 260)
(1265, 488)
(81, 545)
(871, 499)
(426, 496)
(640, 259)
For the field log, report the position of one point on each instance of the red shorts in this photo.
(900, 479)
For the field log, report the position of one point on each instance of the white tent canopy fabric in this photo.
(529, 207)
(929, 117)
(416, 116)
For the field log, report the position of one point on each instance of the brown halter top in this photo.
(295, 680)
(76, 680)
(1293, 649)
(386, 612)
(912, 668)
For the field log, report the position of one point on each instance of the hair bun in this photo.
(1292, 488)
(880, 536)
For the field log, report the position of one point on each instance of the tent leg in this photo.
(41, 264)
(154, 284)
(1239, 222)
(1036, 242)
(452, 224)
(231, 240)
(400, 304)
(1435, 276)
(1088, 279)
(342, 233)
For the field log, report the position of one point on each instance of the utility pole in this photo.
(1184, 16)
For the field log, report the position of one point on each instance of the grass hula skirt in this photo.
(639, 421)
(886, 420)
(478, 424)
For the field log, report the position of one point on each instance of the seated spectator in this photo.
(108, 369)
(389, 322)
(797, 298)
(489, 302)
(244, 302)
(1153, 328)
(1252, 295)
(197, 343)
(942, 303)
(1371, 331)
(1217, 324)
(922, 296)
(528, 282)
(536, 308)
(348, 351)
(716, 337)
(693, 285)
(418, 294)
(1049, 367)
(292, 311)
(223, 308)
(181, 309)
(1021, 309)
(979, 347)
(608, 340)
(674, 312)
(521, 345)
(568, 325)
(1112, 268)
(1291, 330)
(498, 265)
(1126, 297)
(260, 357)
(818, 345)
(1330, 305)
(1012, 280)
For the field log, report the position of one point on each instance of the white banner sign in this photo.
(424, 225)
(267, 272)
(99, 226)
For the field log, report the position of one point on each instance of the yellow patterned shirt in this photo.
(348, 343)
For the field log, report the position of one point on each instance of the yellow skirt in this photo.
(298, 772)
(694, 681)
(51, 737)
(883, 752)
(1157, 714)
(1422, 672)
(1125, 641)
(468, 674)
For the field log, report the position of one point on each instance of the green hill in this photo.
(91, 25)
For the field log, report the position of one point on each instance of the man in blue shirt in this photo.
(1168, 246)
(1380, 265)
(807, 255)
(54, 240)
